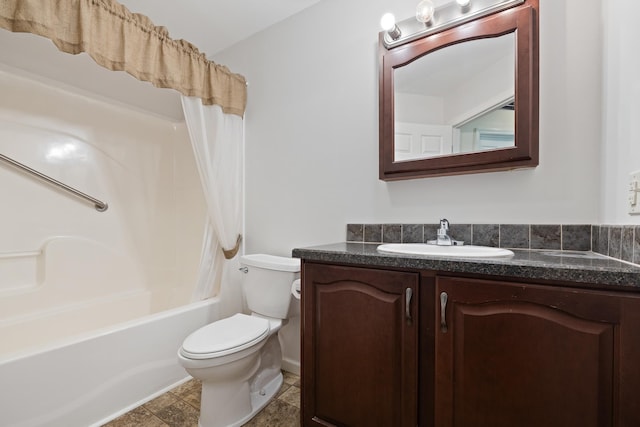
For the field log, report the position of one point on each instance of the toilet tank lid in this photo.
(271, 262)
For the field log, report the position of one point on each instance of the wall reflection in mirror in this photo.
(456, 100)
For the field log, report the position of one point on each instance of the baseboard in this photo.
(291, 365)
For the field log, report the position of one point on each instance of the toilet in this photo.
(238, 359)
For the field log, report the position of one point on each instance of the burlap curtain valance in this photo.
(123, 41)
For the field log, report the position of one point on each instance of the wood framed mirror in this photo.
(464, 100)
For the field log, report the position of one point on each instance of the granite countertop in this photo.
(587, 268)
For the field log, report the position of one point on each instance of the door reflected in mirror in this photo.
(456, 100)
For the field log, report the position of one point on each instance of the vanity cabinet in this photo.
(359, 352)
(511, 354)
(469, 352)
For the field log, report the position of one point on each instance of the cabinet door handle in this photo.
(408, 293)
(443, 311)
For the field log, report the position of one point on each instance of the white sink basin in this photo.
(465, 251)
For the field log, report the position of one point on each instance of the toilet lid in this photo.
(225, 336)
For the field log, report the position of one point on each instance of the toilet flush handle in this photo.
(245, 270)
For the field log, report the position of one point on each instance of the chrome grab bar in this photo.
(100, 205)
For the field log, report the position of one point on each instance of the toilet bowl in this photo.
(238, 359)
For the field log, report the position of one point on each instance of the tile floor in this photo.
(180, 408)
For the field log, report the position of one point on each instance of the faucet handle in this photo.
(444, 224)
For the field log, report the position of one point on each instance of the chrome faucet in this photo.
(443, 238)
(443, 234)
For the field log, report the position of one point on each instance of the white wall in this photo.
(482, 91)
(414, 108)
(488, 88)
(621, 136)
(312, 131)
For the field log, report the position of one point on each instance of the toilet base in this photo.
(259, 399)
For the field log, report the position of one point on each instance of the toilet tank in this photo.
(267, 283)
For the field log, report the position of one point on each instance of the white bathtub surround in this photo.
(59, 257)
(69, 273)
(217, 140)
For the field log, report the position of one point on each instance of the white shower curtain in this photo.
(217, 140)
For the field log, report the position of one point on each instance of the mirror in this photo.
(463, 100)
(446, 106)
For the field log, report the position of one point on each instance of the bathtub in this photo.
(85, 336)
(96, 377)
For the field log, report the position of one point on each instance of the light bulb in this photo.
(424, 11)
(463, 3)
(388, 21)
(388, 24)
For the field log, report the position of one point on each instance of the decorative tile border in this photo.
(617, 241)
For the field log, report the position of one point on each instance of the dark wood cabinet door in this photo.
(359, 339)
(510, 354)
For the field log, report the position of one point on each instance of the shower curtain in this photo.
(216, 138)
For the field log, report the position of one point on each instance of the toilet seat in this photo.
(225, 337)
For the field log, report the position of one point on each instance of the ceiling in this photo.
(211, 25)
(214, 25)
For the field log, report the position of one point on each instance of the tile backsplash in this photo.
(617, 241)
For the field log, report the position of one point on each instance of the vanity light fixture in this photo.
(430, 20)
